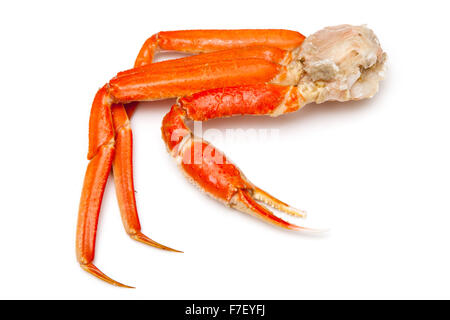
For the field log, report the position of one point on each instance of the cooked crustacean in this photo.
(237, 72)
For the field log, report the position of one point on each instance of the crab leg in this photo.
(260, 99)
(153, 83)
(206, 166)
(107, 120)
(271, 54)
(123, 177)
(101, 152)
(202, 41)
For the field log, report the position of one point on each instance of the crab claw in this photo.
(212, 172)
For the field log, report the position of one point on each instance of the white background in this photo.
(375, 172)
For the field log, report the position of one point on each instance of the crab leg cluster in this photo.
(237, 72)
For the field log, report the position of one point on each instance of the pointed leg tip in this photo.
(121, 285)
(125, 286)
(139, 236)
(92, 269)
(172, 250)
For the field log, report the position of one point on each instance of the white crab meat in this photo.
(341, 63)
